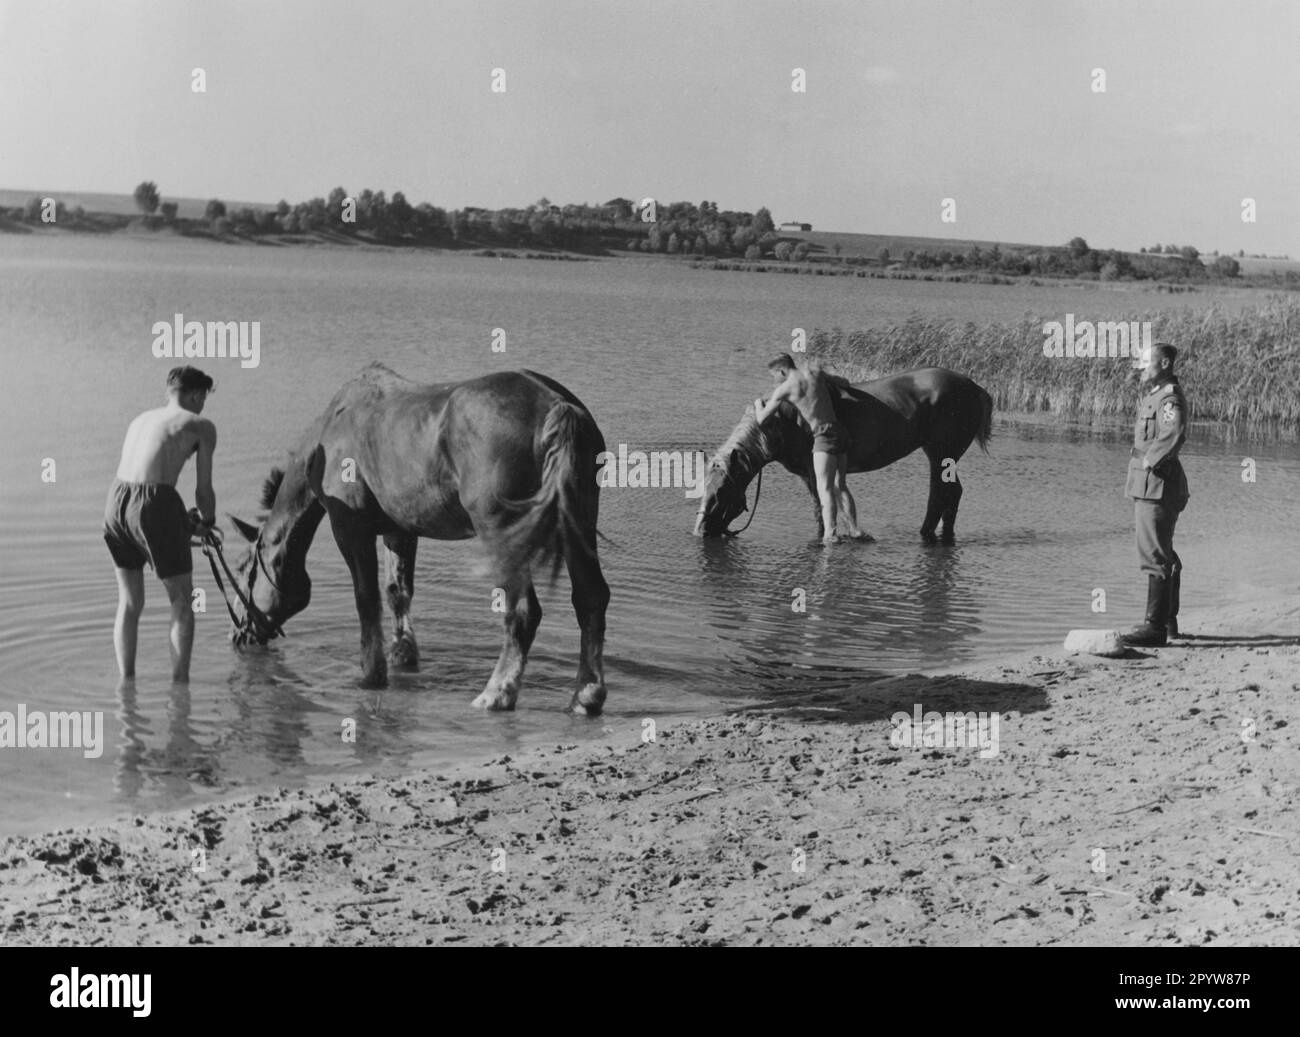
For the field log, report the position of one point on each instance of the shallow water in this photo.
(665, 358)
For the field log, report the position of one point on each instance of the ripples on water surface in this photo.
(666, 359)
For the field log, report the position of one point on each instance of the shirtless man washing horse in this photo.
(808, 391)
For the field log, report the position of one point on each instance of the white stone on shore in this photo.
(1094, 642)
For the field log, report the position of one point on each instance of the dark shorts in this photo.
(831, 439)
(145, 522)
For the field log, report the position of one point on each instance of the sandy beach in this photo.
(1142, 801)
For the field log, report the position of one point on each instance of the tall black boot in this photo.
(1171, 621)
(1153, 632)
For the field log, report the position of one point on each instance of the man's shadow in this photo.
(1234, 641)
(873, 700)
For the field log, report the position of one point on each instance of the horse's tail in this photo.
(985, 430)
(560, 518)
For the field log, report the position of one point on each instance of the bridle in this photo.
(758, 492)
(259, 622)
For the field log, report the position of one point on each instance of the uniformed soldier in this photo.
(1158, 486)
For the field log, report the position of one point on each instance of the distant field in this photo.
(869, 245)
(1267, 266)
(118, 204)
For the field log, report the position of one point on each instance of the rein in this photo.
(212, 550)
(758, 492)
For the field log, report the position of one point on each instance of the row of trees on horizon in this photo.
(679, 228)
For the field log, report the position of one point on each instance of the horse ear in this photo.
(246, 530)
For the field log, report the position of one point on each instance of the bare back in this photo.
(811, 397)
(159, 442)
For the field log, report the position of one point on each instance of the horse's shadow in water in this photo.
(271, 708)
(768, 649)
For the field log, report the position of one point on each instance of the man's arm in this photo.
(762, 410)
(1170, 424)
(204, 496)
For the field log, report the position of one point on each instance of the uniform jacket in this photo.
(1154, 471)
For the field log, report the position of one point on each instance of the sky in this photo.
(989, 103)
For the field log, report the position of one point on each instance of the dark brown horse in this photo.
(933, 409)
(509, 458)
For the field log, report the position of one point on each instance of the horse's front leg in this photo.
(810, 480)
(399, 587)
(357, 546)
(523, 615)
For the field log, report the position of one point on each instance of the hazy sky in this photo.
(989, 103)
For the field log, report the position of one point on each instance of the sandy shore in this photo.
(1150, 800)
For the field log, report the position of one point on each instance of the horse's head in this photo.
(738, 460)
(724, 496)
(270, 576)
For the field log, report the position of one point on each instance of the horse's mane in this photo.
(749, 438)
(271, 487)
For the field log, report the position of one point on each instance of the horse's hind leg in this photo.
(523, 614)
(951, 500)
(934, 506)
(399, 586)
(590, 600)
(948, 489)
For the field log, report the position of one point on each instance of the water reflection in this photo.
(172, 770)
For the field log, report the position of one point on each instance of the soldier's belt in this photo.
(1139, 452)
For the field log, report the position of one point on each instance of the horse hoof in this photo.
(403, 654)
(929, 537)
(588, 701)
(496, 702)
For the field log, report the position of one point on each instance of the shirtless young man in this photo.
(809, 393)
(145, 519)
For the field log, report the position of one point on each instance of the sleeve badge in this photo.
(1167, 413)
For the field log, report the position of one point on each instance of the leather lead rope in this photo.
(752, 511)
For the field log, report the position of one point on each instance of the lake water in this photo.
(666, 358)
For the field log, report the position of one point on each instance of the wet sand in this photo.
(1150, 800)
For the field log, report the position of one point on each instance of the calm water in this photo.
(666, 359)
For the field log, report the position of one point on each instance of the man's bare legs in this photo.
(824, 467)
(180, 589)
(847, 504)
(130, 603)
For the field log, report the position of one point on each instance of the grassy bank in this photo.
(1239, 367)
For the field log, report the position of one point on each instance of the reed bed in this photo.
(1240, 368)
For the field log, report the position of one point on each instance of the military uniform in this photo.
(1158, 486)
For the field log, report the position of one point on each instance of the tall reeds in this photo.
(1240, 367)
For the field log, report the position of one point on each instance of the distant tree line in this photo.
(1076, 259)
(677, 228)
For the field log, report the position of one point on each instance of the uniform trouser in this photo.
(1155, 522)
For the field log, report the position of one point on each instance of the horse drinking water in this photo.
(933, 409)
(509, 458)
